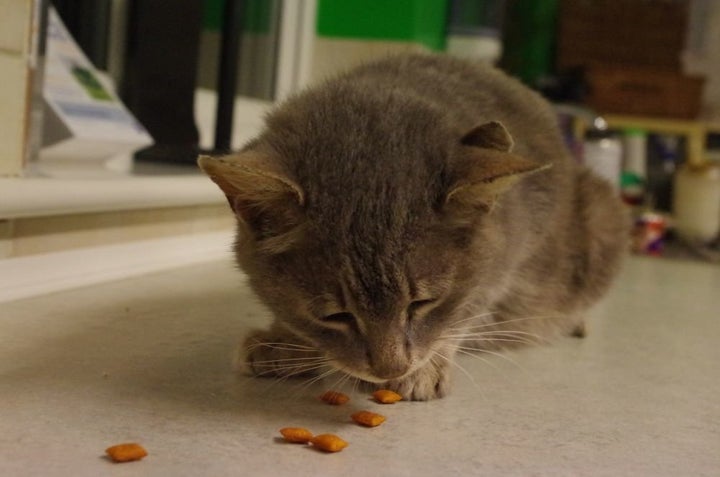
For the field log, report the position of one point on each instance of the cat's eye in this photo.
(418, 305)
(343, 318)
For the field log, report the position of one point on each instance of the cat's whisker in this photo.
(282, 346)
(284, 369)
(514, 320)
(457, 365)
(299, 366)
(494, 366)
(286, 372)
(494, 336)
(472, 352)
(500, 332)
(471, 338)
(461, 368)
(468, 332)
(282, 365)
(356, 384)
(315, 379)
(479, 358)
(285, 360)
(283, 376)
(474, 317)
(295, 393)
(344, 378)
(283, 343)
(521, 337)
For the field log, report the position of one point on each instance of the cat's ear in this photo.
(262, 196)
(484, 167)
(487, 175)
(492, 135)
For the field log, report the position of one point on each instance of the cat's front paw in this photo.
(273, 354)
(429, 382)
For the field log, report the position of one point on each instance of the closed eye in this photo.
(419, 305)
(344, 318)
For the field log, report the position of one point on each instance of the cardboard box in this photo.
(629, 32)
(644, 91)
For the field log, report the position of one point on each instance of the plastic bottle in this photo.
(602, 153)
(696, 203)
(634, 167)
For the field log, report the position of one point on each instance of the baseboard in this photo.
(35, 275)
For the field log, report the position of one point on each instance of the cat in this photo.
(411, 209)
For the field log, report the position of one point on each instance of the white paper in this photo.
(85, 118)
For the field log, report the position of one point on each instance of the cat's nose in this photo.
(388, 364)
(389, 372)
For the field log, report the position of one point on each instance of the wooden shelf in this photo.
(695, 131)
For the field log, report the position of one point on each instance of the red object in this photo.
(649, 233)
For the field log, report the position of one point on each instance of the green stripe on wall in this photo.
(421, 21)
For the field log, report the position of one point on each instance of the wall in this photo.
(353, 31)
(701, 56)
(40, 235)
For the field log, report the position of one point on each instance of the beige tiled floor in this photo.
(147, 360)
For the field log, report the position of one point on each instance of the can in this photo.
(649, 234)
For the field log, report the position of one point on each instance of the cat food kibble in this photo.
(328, 443)
(126, 452)
(334, 398)
(368, 419)
(385, 396)
(296, 434)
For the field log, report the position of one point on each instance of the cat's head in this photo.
(369, 258)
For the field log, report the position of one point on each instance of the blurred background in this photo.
(106, 104)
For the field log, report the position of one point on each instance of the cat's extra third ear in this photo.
(262, 196)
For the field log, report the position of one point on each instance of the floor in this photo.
(147, 360)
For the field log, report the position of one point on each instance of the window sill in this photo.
(98, 190)
(36, 197)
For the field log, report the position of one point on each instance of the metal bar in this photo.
(227, 74)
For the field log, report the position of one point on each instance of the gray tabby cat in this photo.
(407, 208)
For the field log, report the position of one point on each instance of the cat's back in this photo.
(470, 92)
(399, 95)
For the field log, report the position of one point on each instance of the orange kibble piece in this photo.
(328, 443)
(296, 434)
(367, 418)
(126, 452)
(385, 396)
(335, 398)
